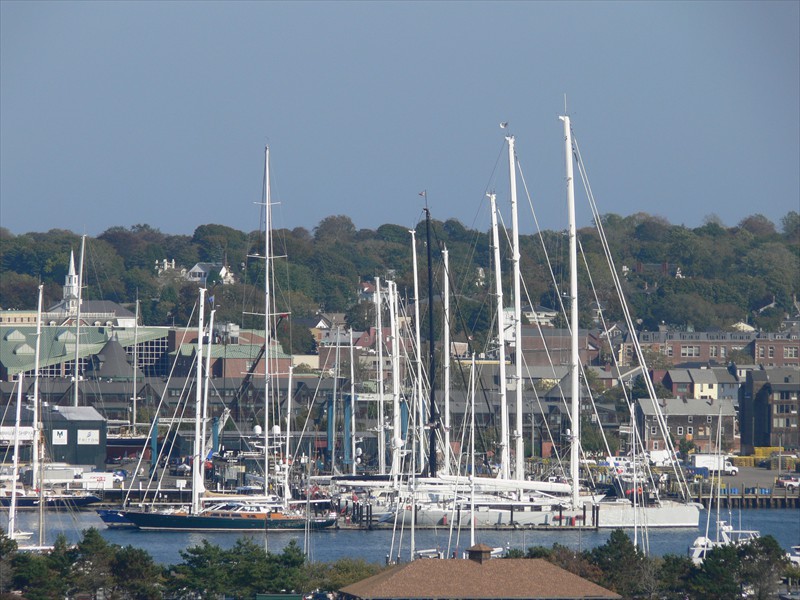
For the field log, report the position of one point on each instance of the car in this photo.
(788, 481)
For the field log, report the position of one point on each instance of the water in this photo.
(373, 546)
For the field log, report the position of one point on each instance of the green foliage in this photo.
(729, 272)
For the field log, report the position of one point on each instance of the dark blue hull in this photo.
(228, 522)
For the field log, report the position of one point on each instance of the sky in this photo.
(125, 113)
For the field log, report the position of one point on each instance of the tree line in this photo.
(707, 277)
(97, 568)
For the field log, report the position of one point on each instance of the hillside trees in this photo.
(728, 274)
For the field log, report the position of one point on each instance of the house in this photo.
(769, 408)
(693, 419)
(201, 272)
(477, 577)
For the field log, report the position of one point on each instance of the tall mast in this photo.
(197, 474)
(379, 343)
(519, 444)
(287, 455)
(206, 385)
(352, 404)
(397, 438)
(12, 512)
(446, 360)
(37, 426)
(574, 366)
(135, 365)
(501, 331)
(78, 325)
(433, 414)
(267, 303)
(419, 406)
(36, 418)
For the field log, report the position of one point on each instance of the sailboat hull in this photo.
(180, 521)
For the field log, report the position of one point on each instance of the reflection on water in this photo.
(374, 546)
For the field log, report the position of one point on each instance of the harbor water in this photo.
(374, 546)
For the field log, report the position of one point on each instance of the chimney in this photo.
(480, 553)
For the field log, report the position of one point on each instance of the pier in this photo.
(752, 498)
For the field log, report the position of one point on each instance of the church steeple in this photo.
(71, 285)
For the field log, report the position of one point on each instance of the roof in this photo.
(18, 343)
(689, 406)
(703, 376)
(679, 376)
(468, 579)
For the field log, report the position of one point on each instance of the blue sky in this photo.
(119, 113)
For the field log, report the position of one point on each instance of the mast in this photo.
(501, 330)
(574, 365)
(446, 360)
(332, 416)
(397, 439)
(135, 365)
(352, 405)
(267, 302)
(197, 474)
(519, 444)
(12, 512)
(78, 324)
(379, 343)
(434, 414)
(206, 385)
(419, 406)
(36, 417)
(472, 452)
(37, 446)
(289, 397)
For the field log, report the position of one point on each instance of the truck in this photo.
(715, 463)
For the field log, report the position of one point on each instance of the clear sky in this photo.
(120, 113)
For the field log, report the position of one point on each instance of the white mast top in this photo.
(574, 366)
(519, 445)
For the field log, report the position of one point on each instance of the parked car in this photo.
(788, 481)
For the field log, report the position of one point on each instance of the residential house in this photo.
(693, 419)
(202, 271)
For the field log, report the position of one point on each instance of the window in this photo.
(761, 352)
(654, 431)
(790, 351)
(712, 351)
(690, 430)
(723, 351)
(772, 351)
(708, 419)
(655, 445)
(690, 351)
(690, 418)
(680, 430)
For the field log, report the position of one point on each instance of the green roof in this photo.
(18, 344)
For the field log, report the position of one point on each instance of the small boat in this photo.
(728, 536)
(794, 556)
(114, 519)
(50, 499)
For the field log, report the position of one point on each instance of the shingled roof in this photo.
(436, 579)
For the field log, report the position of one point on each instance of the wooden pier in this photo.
(753, 498)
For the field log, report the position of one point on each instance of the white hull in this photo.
(611, 515)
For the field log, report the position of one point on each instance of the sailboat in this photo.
(508, 500)
(247, 513)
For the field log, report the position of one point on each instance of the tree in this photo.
(203, 571)
(136, 575)
(758, 225)
(762, 562)
(91, 569)
(337, 228)
(621, 563)
(718, 577)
